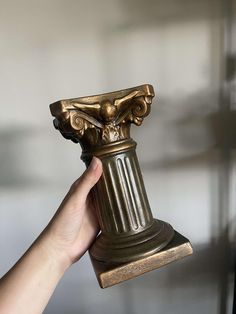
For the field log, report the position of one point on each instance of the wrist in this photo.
(28, 286)
(55, 254)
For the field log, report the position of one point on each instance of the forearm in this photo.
(28, 286)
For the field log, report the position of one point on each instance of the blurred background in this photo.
(55, 49)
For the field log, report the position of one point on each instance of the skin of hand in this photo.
(74, 226)
(29, 284)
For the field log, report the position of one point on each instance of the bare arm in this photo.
(28, 286)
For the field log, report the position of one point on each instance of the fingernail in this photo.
(94, 164)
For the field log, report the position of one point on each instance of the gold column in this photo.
(131, 242)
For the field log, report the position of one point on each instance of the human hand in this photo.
(74, 226)
(27, 287)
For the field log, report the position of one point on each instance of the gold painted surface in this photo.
(101, 124)
(109, 275)
(102, 119)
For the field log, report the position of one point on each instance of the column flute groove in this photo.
(128, 206)
(129, 195)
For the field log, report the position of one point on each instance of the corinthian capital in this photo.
(102, 119)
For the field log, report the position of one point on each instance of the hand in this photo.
(29, 284)
(74, 226)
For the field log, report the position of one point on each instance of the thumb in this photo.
(89, 178)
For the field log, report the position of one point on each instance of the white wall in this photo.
(62, 49)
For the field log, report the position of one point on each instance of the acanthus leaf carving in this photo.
(102, 119)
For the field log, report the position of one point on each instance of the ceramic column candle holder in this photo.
(131, 241)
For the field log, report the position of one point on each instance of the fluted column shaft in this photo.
(123, 206)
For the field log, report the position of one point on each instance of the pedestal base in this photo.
(125, 248)
(109, 275)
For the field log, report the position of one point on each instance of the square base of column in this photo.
(109, 275)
